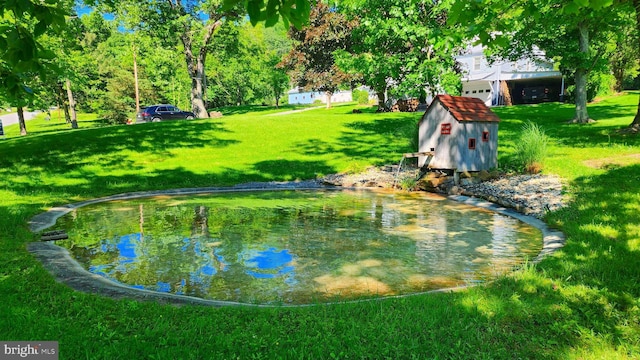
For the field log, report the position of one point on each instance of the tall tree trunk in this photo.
(195, 65)
(23, 124)
(197, 91)
(72, 106)
(328, 94)
(636, 119)
(65, 103)
(382, 106)
(582, 116)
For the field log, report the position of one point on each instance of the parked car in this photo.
(535, 94)
(162, 112)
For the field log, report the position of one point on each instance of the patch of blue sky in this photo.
(82, 10)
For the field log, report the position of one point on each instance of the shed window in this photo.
(472, 144)
(485, 136)
(445, 129)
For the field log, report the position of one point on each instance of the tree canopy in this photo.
(200, 54)
(574, 33)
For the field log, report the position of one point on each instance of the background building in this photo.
(528, 80)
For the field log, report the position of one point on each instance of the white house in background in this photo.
(528, 80)
(308, 97)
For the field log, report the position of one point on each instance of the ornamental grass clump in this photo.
(531, 148)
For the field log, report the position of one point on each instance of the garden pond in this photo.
(296, 246)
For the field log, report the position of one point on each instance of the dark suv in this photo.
(162, 112)
(535, 94)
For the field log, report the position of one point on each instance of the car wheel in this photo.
(189, 117)
(156, 119)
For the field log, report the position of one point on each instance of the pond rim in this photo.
(67, 270)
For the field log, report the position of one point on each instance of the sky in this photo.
(82, 9)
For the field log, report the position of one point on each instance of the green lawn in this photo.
(582, 303)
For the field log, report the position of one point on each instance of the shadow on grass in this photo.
(238, 110)
(553, 118)
(381, 141)
(588, 293)
(69, 151)
(292, 170)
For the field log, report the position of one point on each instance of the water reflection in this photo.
(296, 247)
(267, 264)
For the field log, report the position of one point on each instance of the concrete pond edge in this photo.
(67, 270)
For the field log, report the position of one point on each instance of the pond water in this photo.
(296, 247)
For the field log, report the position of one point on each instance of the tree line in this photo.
(201, 54)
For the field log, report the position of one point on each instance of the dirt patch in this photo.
(613, 162)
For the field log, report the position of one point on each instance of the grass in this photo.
(581, 303)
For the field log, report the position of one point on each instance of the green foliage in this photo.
(598, 84)
(531, 147)
(23, 58)
(402, 46)
(360, 96)
(294, 12)
(243, 65)
(408, 183)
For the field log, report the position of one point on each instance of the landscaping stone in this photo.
(533, 195)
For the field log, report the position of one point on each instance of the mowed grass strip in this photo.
(581, 303)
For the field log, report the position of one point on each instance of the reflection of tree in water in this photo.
(319, 244)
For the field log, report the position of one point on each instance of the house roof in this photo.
(466, 108)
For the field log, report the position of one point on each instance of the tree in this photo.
(635, 124)
(575, 33)
(191, 23)
(295, 12)
(406, 45)
(624, 58)
(21, 54)
(277, 46)
(116, 97)
(311, 62)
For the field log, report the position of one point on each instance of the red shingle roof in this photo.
(467, 108)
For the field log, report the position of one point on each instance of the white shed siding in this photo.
(484, 156)
(452, 151)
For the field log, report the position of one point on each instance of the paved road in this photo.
(10, 119)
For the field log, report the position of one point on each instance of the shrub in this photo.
(531, 148)
(361, 96)
(408, 183)
(598, 84)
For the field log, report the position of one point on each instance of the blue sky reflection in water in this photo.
(296, 247)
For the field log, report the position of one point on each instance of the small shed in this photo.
(458, 133)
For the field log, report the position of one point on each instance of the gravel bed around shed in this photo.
(533, 195)
(529, 194)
